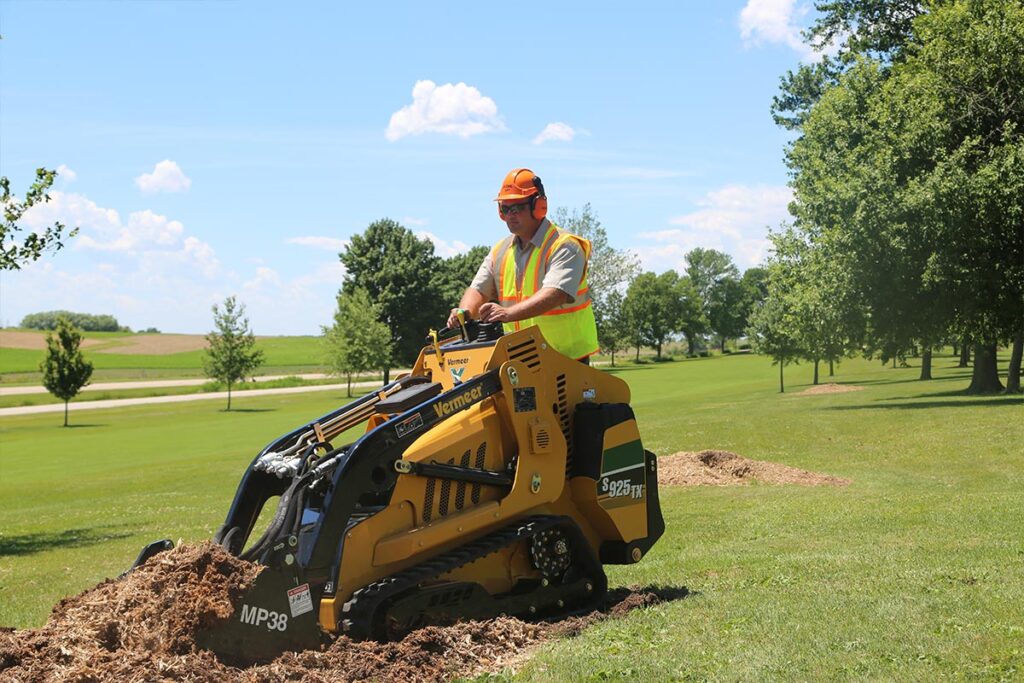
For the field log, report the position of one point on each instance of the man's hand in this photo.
(453, 316)
(493, 313)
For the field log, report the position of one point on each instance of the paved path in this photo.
(122, 402)
(148, 384)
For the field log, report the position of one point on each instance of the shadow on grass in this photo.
(989, 401)
(250, 410)
(29, 544)
(85, 425)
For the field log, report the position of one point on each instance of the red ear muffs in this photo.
(540, 208)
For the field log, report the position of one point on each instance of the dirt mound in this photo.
(722, 468)
(143, 628)
(830, 388)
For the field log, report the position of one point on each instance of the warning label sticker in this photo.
(299, 600)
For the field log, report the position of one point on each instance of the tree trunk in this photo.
(831, 367)
(65, 413)
(956, 351)
(350, 385)
(613, 359)
(658, 349)
(985, 379)
(913, 351)
(387, 375)
(723, 346)
(815, 371)
(782, 388)
(965, 355)
(638, 353)
(1013, 374)
(229, 395)
(926, 364)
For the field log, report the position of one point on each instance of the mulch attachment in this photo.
(142, 628)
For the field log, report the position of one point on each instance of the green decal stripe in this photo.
(626, 455)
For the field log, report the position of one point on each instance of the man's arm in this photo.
(471, 301)
(538, 304)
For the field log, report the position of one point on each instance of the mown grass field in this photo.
(282, 355)
(913, 572)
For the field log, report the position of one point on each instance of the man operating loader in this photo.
(535, 276)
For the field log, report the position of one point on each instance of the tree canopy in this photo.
(14, 253)
(231, 353)
(357, 341)
(65, 370)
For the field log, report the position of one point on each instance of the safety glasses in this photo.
(512, 209)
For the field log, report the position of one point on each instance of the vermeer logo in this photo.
(448, 407)
(457, 375)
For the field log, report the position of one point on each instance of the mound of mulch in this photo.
(830, 388)
(143, 628)
(722, 468)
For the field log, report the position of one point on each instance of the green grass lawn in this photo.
(915, 571)
(282, 355)
(18, 400)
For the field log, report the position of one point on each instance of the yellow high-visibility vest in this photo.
(569, 328)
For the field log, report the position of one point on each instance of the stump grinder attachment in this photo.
(498, 477)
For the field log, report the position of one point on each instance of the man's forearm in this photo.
(471, 300)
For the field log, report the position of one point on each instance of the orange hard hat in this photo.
(520, 183)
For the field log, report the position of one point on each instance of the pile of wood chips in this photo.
(722, 468)
(143, 627)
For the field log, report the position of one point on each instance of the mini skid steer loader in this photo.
(498, 477)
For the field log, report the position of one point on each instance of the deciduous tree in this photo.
(396, 268)
(357, 341)
(65, 370)
(14, 253)
(231, 353)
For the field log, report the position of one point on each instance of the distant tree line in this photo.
(908, 176)
(394, 278)
(87, 322)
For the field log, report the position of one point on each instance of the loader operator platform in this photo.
(535, 276)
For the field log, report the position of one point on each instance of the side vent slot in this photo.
(428, 500)
(460, 488)
(479, 464)
(526, 353)
(446, 492)
(563, 418)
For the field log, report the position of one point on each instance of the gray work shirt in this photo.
(565, 268)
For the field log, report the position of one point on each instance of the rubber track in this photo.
(360, 620)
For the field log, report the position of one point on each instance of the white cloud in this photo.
(775, 22)
(443, 248)
(66, 174)
(266, 278)
(734, 219)
(414, 222)
(449, 109)
(144, 230)
(334, 244)
(166, 177)
(562, 132)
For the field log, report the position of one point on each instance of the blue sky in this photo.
(215, 148)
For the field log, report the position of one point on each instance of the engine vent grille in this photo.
(444, 497)
(562, 394)
(460, 488)
(542, 439)
(479, 464)
(525, 352)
